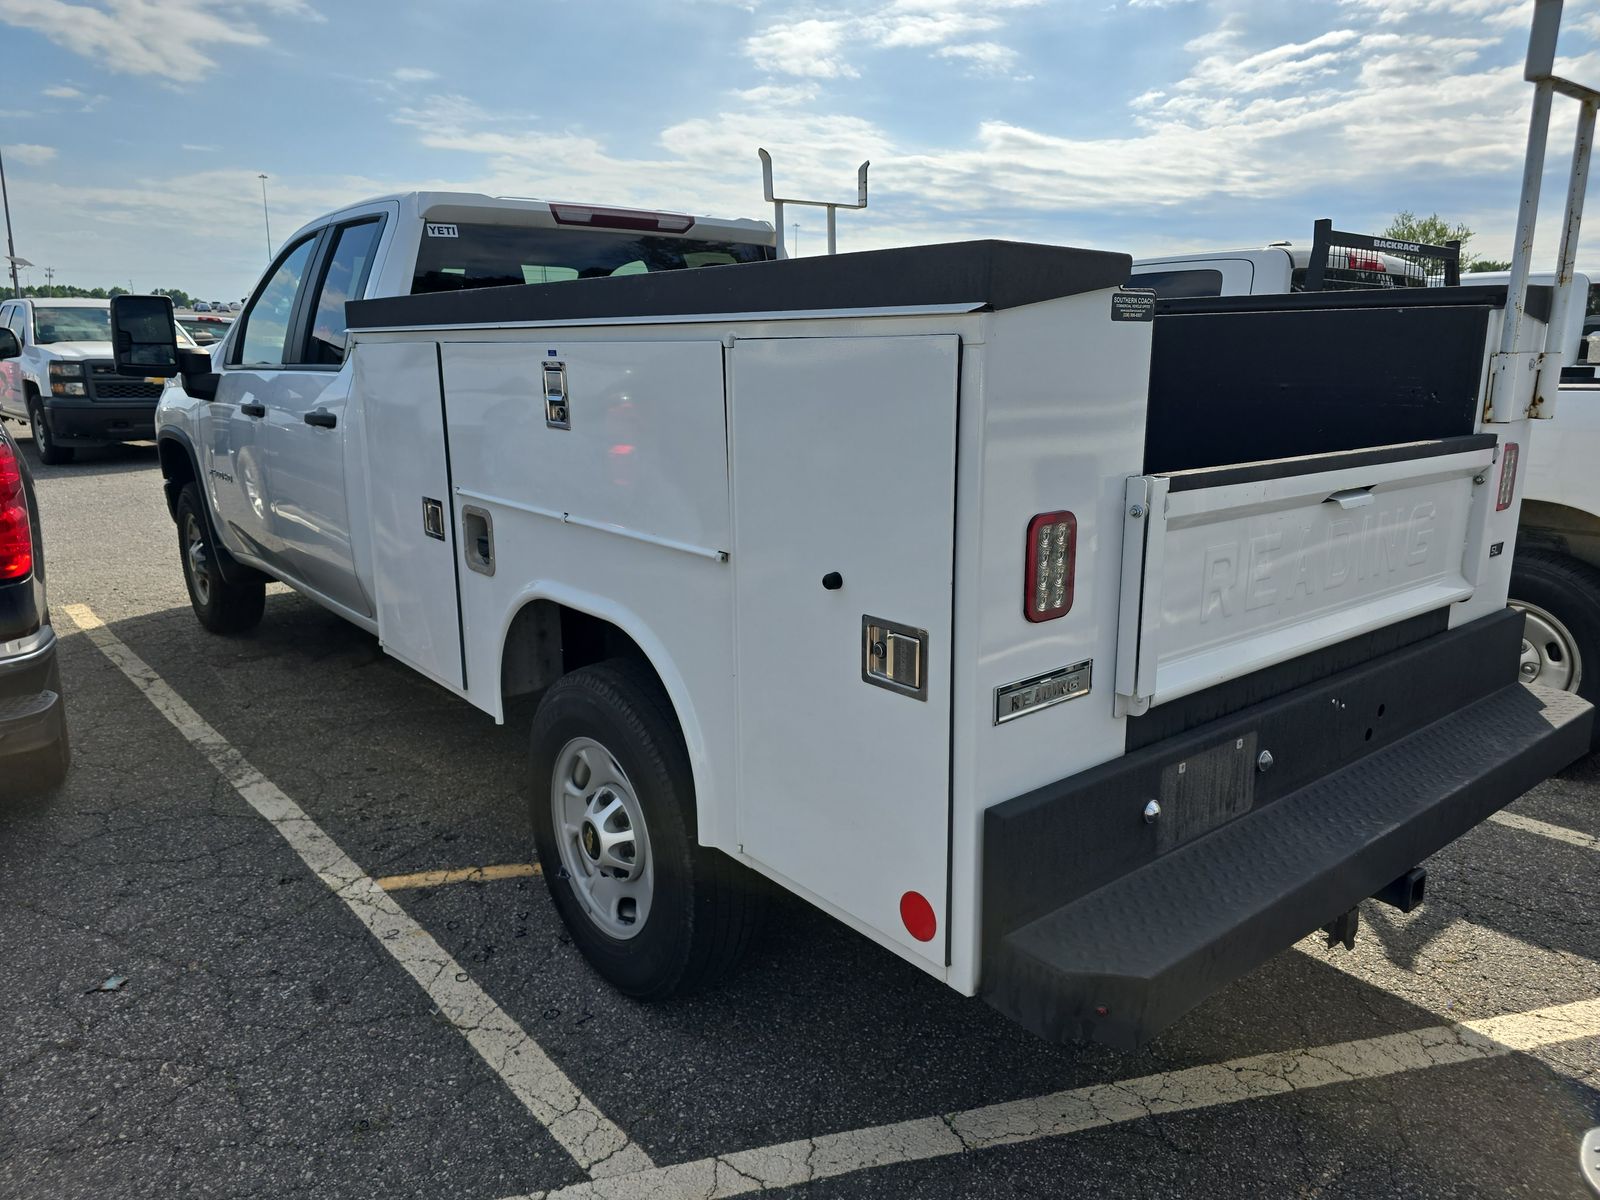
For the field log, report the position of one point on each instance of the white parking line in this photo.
(599, 1146)
(1559, 833)
(791, 1164)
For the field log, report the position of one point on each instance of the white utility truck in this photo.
(1026, 630)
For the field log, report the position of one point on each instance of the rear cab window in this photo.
(344, 277)
(485, 255)
(1205, 282)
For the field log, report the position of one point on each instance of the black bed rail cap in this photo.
(990, 275)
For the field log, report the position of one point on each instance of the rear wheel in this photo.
(1559, 599)
(50, 454)
(222, 607)
(612, 803)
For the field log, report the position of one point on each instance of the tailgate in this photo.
(1227, 570)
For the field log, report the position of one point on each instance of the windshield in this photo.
(87, 324)
(501, 255)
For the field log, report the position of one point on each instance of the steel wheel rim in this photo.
(604, 845)
(196, 558)
(41, 436)
(1549, 651)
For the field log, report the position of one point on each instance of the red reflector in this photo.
(1051, 553)
(918, 916)
(16, 537)
(1508, 477)
(621, 218)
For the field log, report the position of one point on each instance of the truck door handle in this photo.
(322, 419)
(253, 410)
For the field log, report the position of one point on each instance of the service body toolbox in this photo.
(1029, 632)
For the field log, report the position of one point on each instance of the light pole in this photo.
(11, 248)
(796, 228)
(265, 217)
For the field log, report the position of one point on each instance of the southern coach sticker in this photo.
(441, 230)
(1133, 306)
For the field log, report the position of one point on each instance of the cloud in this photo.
(62, 92)
(817, 45)
(413, 74)
(198, 149)
(166, 38)
(29, 155)
(983, 58)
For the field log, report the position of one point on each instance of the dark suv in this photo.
(33, 721)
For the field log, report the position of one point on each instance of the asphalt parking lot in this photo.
(280, 935)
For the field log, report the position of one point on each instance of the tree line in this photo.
(67, 291)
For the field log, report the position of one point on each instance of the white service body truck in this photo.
(917, 582)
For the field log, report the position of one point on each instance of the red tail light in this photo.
(16, 537)
(1052, 553)
(621, 218)
(1508, 477)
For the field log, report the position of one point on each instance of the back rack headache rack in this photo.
(1441, 265)
(1514, 360)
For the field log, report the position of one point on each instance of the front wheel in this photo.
(1559, 599)
(222, 607)
(612, 802)
(44, 442)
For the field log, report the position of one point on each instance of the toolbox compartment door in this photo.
(1227, 570)
(843, 456)
(408, 498)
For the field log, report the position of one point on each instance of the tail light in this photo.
(1508, 477)
(621, 218)
(1052, 552)
(16, 536)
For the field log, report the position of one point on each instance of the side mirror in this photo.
(9, 346)
(144, 340)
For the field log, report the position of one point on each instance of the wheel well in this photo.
(177, 468)
(548, 640)
(1558, 527)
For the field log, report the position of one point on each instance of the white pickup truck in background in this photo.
(1555, 577)
(916, 581)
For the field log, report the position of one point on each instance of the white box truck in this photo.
(1081, 656)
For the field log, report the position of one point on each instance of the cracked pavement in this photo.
(267, 1042)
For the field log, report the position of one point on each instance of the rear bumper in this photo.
(86, 421)
(1242, 863)
(32, 715)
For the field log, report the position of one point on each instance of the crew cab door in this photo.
(11, 317)
(285, 393)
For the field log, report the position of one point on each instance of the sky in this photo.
(134, 131)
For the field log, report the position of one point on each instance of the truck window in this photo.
(1179, 283)
(344, 278)
(266, 321)
(501, 255)
(51, 324)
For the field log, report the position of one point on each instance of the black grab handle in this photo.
(253, 410)
(322, 419)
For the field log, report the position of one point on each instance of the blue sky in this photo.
(134, 130)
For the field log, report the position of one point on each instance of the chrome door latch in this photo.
(433, 517)
(556, 413)
(894, 657)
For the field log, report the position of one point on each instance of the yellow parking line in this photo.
(422, 879)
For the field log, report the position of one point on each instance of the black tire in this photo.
(704, 907)
(222, 607)
(43, 770)
(1569, 591)
(49, 453)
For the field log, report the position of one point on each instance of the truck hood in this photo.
(75, 351)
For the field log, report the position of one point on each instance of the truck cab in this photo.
(272, 421)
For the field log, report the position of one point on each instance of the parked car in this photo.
(201, 306)
(34, 754)
(207, 329)
(61, 382)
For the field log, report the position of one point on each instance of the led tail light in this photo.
(16, 537)
(621, 218)
(1508, 477)
(1052, 551)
